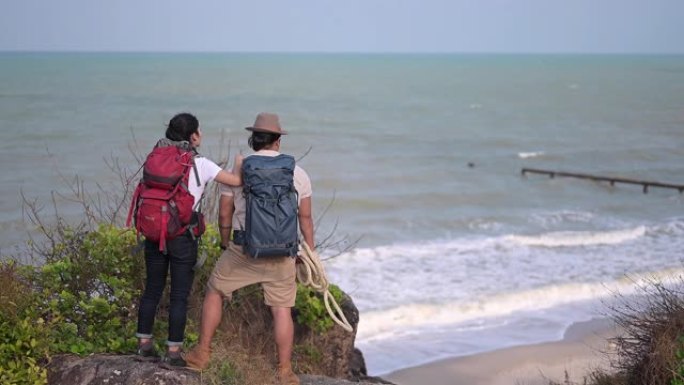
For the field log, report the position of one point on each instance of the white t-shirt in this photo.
(207, 171)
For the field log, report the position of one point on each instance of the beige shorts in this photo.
(235, 270)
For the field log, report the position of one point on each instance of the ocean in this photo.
(415, 160)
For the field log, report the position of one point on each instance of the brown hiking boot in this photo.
(198, 358)
(286, 376)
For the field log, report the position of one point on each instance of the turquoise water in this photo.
(451, 259)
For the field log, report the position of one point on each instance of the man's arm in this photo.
(226, 209)
(306, 221)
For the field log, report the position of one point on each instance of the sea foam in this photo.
(579, 238)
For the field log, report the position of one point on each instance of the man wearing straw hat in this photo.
(236, 269)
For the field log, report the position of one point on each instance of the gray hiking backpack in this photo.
(272, 206)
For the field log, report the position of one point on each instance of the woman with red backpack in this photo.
(166, 209)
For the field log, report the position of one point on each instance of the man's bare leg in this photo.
(212, 311)
(283, 327)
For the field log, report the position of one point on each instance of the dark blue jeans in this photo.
(181, 257)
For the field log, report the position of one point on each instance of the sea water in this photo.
(415, 161)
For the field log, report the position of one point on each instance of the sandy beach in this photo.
(581, 350)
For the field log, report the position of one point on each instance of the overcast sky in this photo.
(574, 26)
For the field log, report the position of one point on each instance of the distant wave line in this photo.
(532, 154)
(579, 238)
(549, 239)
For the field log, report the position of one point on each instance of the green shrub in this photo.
(310, 308)
(23, 335)
(88, 292)
(82, 300)
(22, 351)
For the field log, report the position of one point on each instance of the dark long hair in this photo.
(181, 127)
(259, 140)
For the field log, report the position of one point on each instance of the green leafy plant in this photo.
(312, 353)
(82, 300)
(228, 374)
(678, 372)
(310, 308)
(88, 292)
(23, 335)
(22, 350)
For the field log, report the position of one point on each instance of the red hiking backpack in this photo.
(162, 205)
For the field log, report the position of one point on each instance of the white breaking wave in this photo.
(579, 238)
(406, 319)
(531, 154)
(673, 228)
(458, 270)
(481, 244)
(418, 250)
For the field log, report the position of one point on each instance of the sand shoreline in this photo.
(582, 349)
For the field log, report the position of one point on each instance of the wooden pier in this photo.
(612, 180)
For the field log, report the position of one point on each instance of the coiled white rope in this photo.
(310, 272)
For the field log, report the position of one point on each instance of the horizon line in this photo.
(522, 53)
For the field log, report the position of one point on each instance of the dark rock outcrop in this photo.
(100, 369)
(339, 358)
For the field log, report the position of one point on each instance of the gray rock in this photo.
(103, 369)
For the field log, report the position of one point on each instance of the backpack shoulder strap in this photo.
(194, 167)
